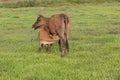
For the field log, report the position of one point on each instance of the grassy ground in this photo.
(48, 3)
(94, 44)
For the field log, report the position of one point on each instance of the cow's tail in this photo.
(67, 22)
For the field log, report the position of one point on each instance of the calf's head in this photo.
(41, 21)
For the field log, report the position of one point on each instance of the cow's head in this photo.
(41, 21)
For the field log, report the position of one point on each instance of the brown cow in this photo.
(46, 39)
(59, 25)
(56, 25)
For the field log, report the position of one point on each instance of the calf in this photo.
(46, 39)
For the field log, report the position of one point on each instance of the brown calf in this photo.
(46, 39)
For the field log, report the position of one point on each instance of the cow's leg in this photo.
(67, 45)
(62, 41)
(63, 47)
(62, 44)
(65, 42)
(40, 46)
(59, 46)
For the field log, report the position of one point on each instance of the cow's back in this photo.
(54, 23)
(59, 22)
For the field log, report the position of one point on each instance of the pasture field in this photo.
(94, 44)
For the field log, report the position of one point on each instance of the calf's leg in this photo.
(47, 47)
(40, 46)
(50, 46)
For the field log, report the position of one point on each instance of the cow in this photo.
(59, 25)
(56, 25)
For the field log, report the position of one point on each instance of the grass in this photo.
(94, 44)
(48, 3)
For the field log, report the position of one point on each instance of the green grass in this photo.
(94, 44)
(47, 3)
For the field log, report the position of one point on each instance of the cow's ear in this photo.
(39, 16)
